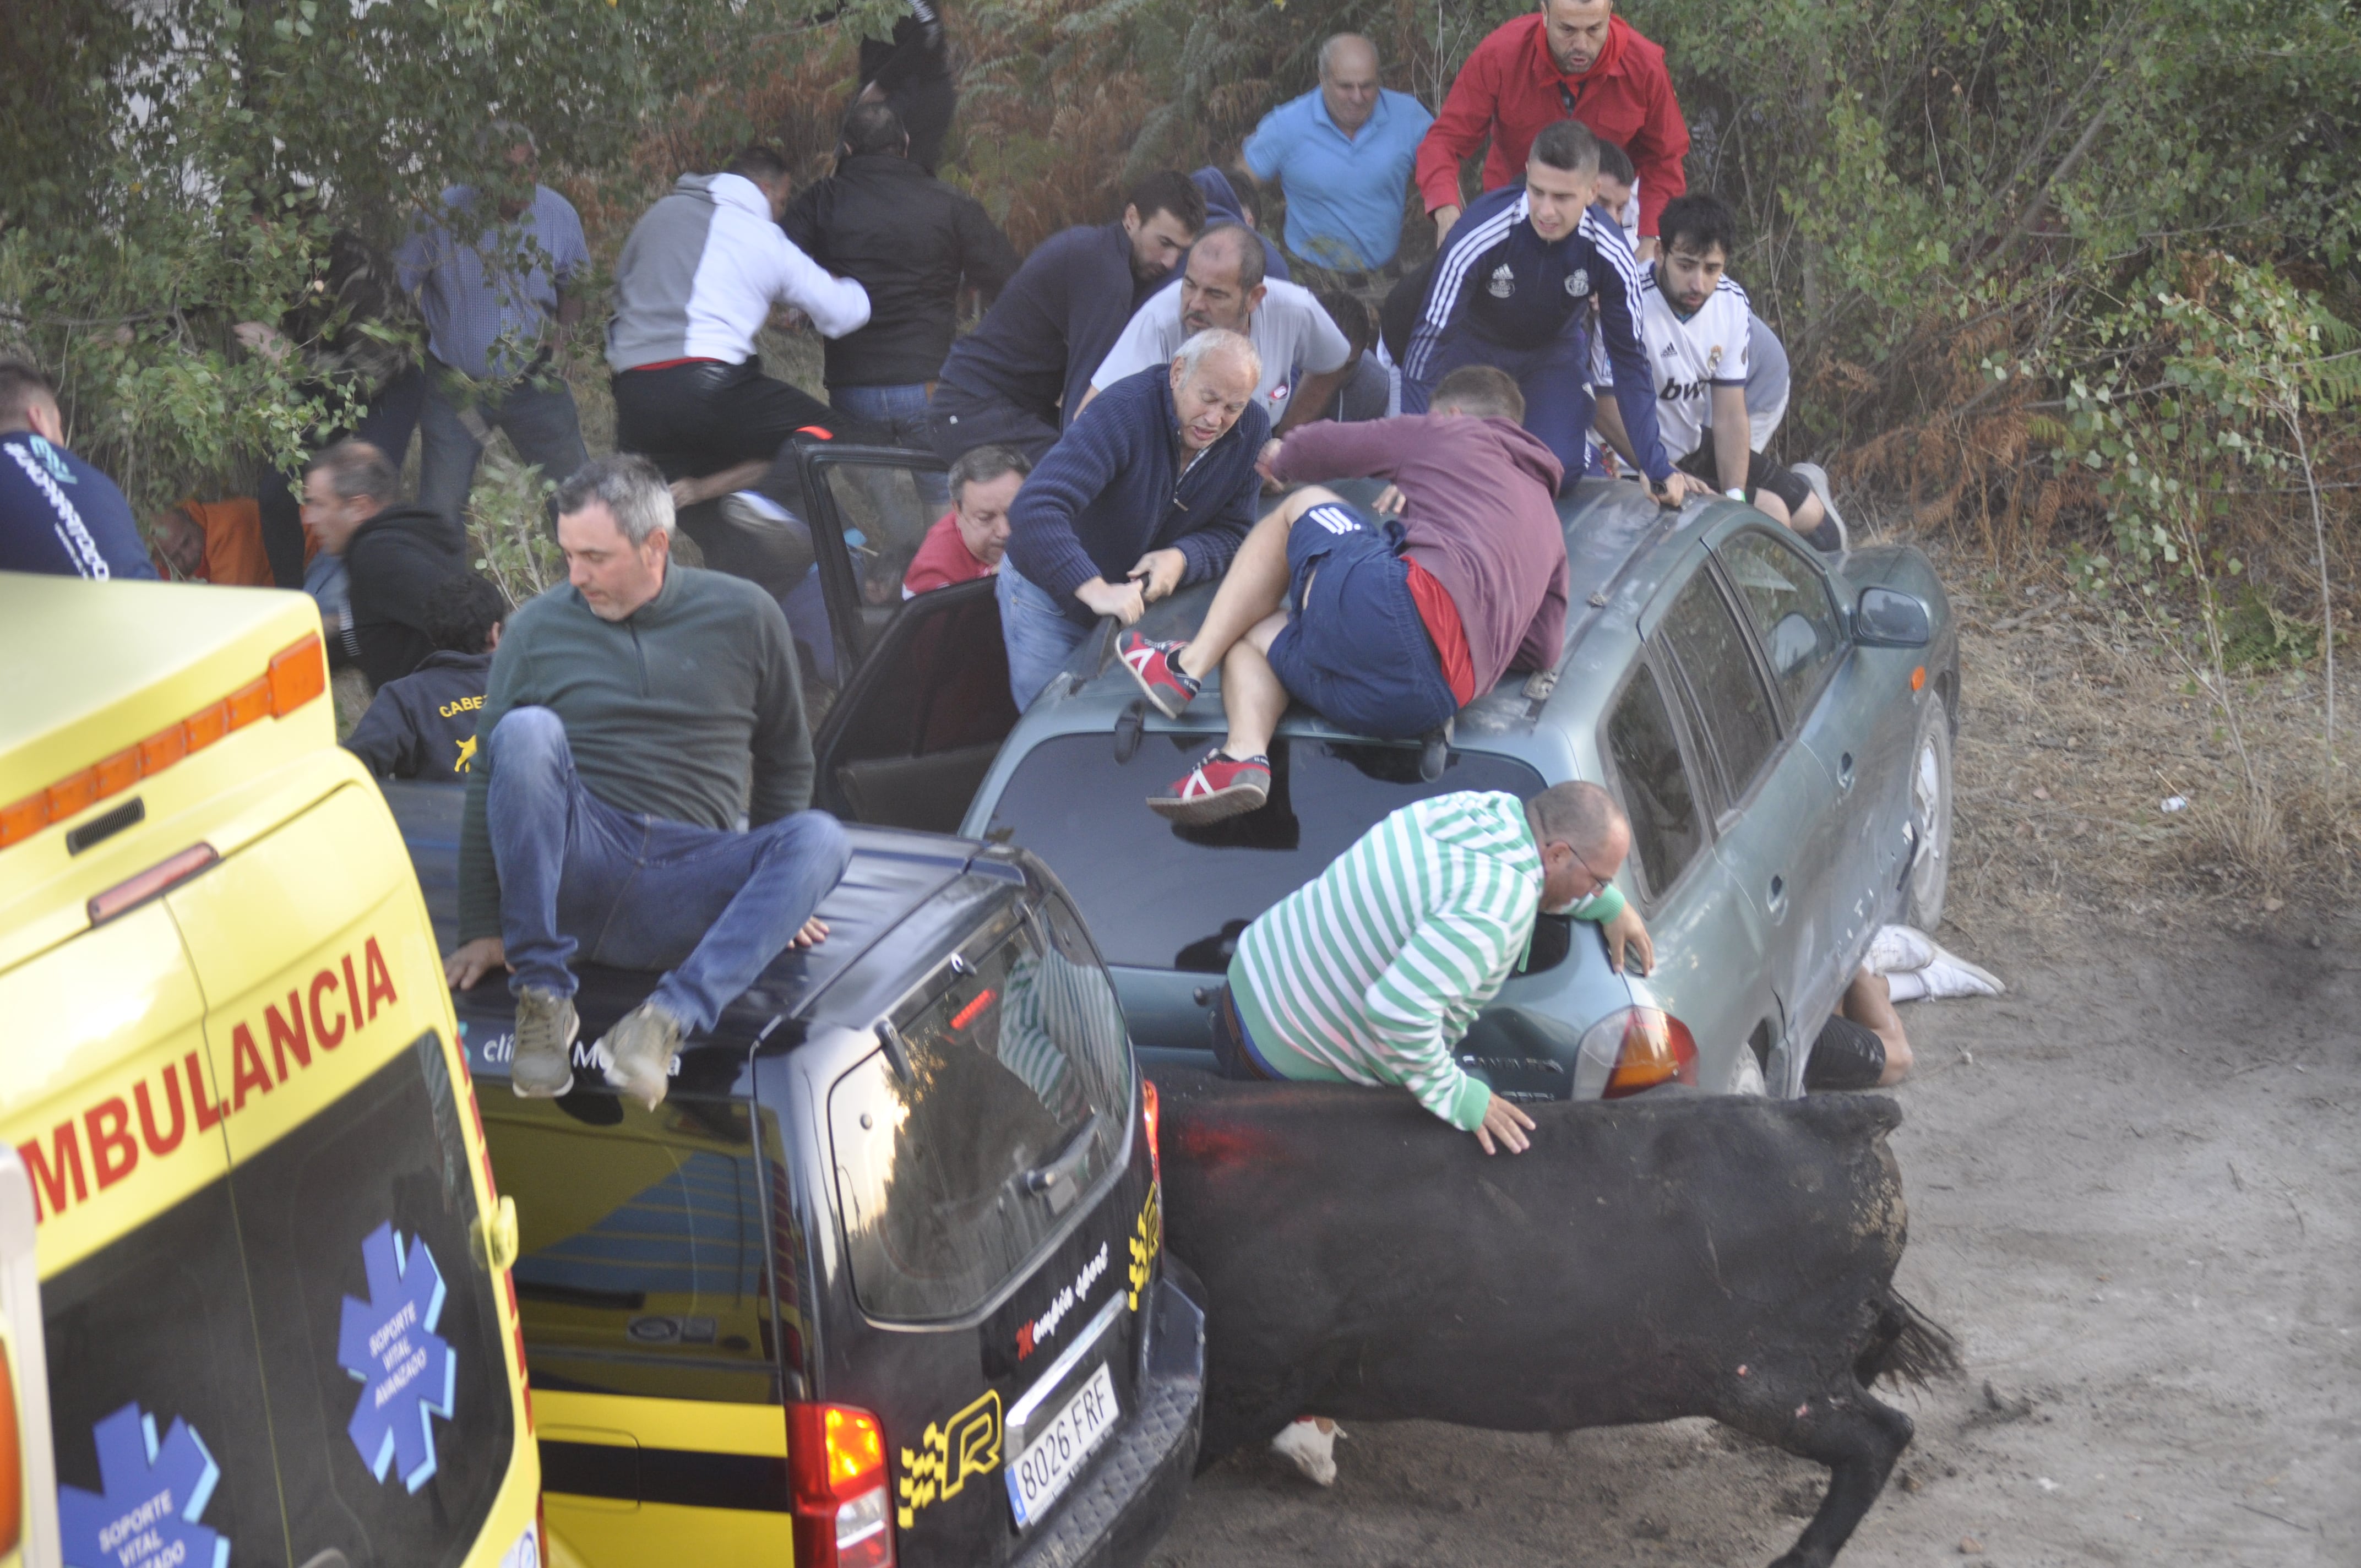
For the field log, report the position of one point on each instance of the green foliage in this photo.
(509, 542)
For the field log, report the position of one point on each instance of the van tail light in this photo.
(1634, 1049)
(12, 1463)
(843, 1506)
(1151, 1113)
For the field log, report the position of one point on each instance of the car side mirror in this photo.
(1887, 619)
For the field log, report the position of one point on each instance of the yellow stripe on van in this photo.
(666, 1423)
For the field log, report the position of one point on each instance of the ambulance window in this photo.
(644, 1269)
(388, 1387)
(158, 1325)
(1015, 1105)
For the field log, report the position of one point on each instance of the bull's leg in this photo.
(1856, 1436)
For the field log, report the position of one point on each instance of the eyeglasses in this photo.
(1596, 882)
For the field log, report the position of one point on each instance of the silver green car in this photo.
(1777, 724)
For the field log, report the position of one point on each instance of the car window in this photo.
(1160, 896)
(1787, 600)
(1015, 1103)
(644, 1269)
(1730, 693)
(1666, 827)
(886, 510)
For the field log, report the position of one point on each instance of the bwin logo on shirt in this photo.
(1504, 281)
(1577, 283)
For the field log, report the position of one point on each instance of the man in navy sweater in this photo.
(1513, 289)
(1021, 375)
(58, 514)
(1154, 487)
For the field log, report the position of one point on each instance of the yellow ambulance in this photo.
(275, 1320)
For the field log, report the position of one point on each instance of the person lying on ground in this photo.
(1020, 379)
(424, 725)
(700, 277)
(58, 514)
(1304, 358)
(971, 540)
(1153, 487)
(1513, 289)
(1698, 325)
(1372, 971)
(213, 542)
(1861, 1045)
(636, 714)
(394, 554)
(1386, 629)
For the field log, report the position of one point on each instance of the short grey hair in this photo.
(630, 488)
(1192, 355)
(1578, 813)
(1328, 50)
(355, 469)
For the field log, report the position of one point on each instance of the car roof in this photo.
(893, 874)
(109, 661)
(1611, 528)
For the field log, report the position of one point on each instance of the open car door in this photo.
(911, 736)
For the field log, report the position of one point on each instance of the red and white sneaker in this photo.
(1217, 788)
(1156, 666)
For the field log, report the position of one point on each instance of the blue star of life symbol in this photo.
(148, 1516)
(406, 1369)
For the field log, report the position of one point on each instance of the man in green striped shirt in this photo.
(1372, 972)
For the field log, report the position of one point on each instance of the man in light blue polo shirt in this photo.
(497, 289)
(1343, 153)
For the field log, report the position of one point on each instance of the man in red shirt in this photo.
(1574, 58)
(1386, 628)
(970, 540)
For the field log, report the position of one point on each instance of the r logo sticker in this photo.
(949, 1453)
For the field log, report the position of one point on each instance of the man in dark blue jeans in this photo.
(635, 717)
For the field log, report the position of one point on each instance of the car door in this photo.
(1770, 796)
(1794, 616)
(910, 740)
(1708, 938)
(871, 507)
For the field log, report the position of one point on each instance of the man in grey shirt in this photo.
(498, 290)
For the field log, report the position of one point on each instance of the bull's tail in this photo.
(1906, 1346)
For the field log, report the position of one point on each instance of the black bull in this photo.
(1687, 1256)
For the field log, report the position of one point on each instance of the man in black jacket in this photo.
(424, 725)
(394, 554)
(911, 75)
(909, 240)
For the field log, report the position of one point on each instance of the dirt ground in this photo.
(2133, 1184)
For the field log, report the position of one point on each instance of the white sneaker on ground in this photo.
(1309, 1442)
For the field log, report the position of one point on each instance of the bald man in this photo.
(1344, 153)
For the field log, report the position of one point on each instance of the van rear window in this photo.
(1160, 896)
(1016, 1101)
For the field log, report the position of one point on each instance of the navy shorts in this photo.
(1356, 648)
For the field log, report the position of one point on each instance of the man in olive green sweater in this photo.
(639, 795)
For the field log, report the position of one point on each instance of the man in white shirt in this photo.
(1304, 358)
(697, 281)
(1697, 328)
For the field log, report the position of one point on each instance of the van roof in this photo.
(97, 666)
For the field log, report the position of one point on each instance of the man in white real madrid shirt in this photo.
(1698, 329)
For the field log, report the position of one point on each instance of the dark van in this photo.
(882, 1281)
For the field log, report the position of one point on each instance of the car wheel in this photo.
(1746, 1075)
(1930, 817)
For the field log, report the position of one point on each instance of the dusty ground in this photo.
(2132, 1183)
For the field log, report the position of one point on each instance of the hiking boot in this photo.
(543, 1067)
(1157, 667)
(639, 1051)
(1816, 476)
(1217, 788)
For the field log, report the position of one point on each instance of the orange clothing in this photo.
(234, 554)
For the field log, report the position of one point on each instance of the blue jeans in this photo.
(1039, 637)
(902, 411)
(637, 892)
(541, 423)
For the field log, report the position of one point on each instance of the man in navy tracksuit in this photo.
(1513, 289)
(1151, 487)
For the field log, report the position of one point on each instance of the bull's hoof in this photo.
(1309, 1442)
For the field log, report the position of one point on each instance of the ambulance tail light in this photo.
(162, 877)
(1151, 1113)
(843, 1504)
(1634, 1049)
(12, 1463)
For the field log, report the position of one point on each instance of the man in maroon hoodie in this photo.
(1386, 629)
(1572, 59)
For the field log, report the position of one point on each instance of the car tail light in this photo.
(1634, 1049)
(836, 1463)
(1151, 1113)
